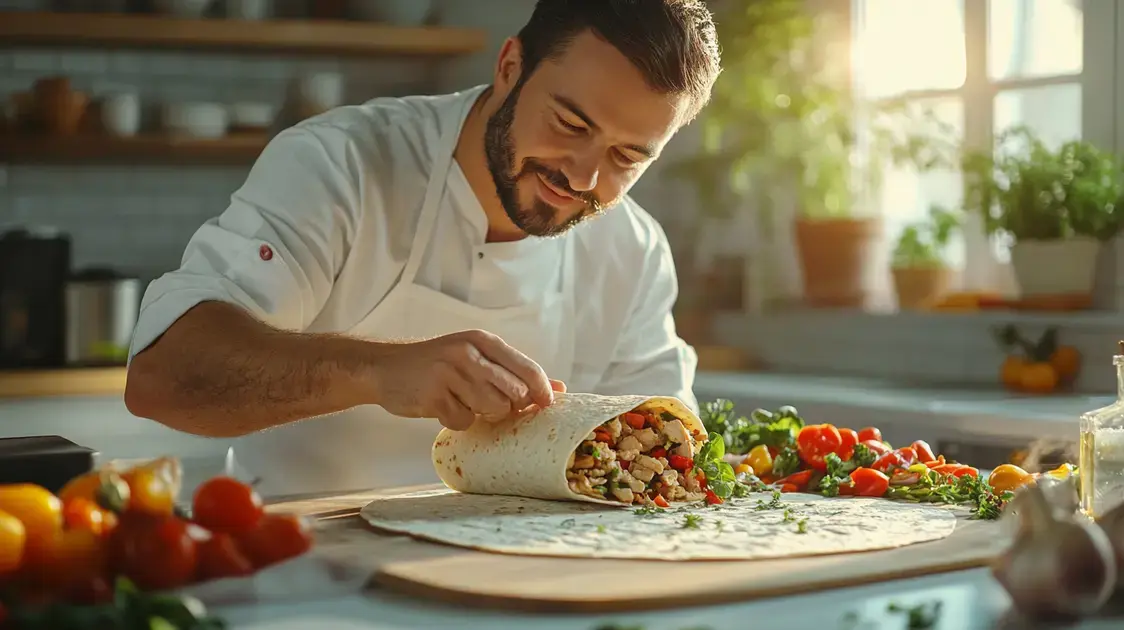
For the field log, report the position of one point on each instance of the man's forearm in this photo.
(219, 372)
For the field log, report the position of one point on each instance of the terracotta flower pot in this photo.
(839, 259)
(921, 288)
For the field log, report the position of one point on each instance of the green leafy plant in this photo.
(1032, 192)
(923, 244)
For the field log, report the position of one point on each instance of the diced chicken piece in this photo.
(694, 496)
(634, 484)
(670, 477)
(604, 452)
(675, 432)
(678, 493)
(642, 473)
(629, 443)
(691, 483)
(614, 427)
(591, 437)
(582, 485)
(624, 495)
(583, 461)
(648, 439)
(645, 461)
(628, 456)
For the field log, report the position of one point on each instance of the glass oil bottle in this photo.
(1101, 459)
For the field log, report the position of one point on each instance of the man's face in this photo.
(569, 141)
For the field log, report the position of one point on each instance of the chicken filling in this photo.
(638, 457)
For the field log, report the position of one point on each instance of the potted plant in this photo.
(1058, 206)
(922, 275)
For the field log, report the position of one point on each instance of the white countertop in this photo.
(971, 600)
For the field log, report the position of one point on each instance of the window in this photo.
(981, 66)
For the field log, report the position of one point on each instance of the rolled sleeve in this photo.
(650, 358)
(276, 250)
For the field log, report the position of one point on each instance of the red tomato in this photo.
(155, 552)
(799, 480)
(876, 447)
(224, 504)
(957, 470)
(869, 482)
(680, 463)
(923, 451)
(870, 433)
(850, 439)
(889, 461)
(82, 513)
(713, 499)
(634, 420)
(939, 461)
(278, 537)
(817, 441)
(661, 502)
(658, 452)
(789, 487)
(220, 557)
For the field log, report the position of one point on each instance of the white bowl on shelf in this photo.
(397, 12)
(197, 120)
(249, 115)
(183, 8)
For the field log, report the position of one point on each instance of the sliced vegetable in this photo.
(634, 420)
(877, 447)
(890, 461)
(870, 433)
(680, 463)
(923, 452)
(799, 480)
(868, 482)
(816, 442)
(849, 439)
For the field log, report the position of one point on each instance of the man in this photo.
(433, 258)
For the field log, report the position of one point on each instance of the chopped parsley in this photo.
(788, 517)
(691, 521)
(920, 617)
(802, 526)
(719, 524)
(648, 510)
(601, 529)
(774, 504)
(568, 523)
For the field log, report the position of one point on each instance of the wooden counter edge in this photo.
(21, 384)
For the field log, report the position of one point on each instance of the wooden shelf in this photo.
(293, 36)
(44, 149)
(62, 382)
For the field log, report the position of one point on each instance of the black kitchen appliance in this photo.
(46, 460)
(34, 267)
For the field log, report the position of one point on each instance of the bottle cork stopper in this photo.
(1120, 348)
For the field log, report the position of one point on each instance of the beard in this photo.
(539, 218)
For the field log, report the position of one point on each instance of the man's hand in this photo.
(457, 377)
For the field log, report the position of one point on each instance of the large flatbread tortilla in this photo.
(529, 455)
(755, 527)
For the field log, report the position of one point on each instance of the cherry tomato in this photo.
(1008, 478)
(798, 479)
(220, 557)
(92, 590)
(789, 487)
(713, 499)
(71, 557)
(634, 420)
(908, 454)
(658, 452)
(870, 433)
(82, 487)
(759, 460)
(279, 537)
(661, 502)
(82, 513)
(38, 510)
(957, 470)
(680, 463)
(877, 447)
(869, 482)
(155, 552)
(603, 436)
(817, 441)
(224, 504)
(13, 537)
(150, 493)
(923, 451)
(849, 440)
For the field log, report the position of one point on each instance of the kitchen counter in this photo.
(108, 381)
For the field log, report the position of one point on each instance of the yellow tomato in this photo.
(742, 468)
(12, 539)
(760, 460)
(1008, 478)
(35, 507)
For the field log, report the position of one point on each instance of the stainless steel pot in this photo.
(101, 312)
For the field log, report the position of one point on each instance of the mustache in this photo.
(559, 180)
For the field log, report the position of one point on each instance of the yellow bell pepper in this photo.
(760, 460)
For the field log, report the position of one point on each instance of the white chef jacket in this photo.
(335, 201)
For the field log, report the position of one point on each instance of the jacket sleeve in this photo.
(278, 246)
(650, 358)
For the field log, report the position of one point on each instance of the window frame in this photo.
(1102, 122)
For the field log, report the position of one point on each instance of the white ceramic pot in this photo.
(1064, 267)
(197, 120)
(397, 12)
(121, 114)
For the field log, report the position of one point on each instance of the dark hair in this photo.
(672, 42)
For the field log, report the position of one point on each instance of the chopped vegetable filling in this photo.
(643, 457)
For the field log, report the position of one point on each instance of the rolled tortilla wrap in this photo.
(547, 454)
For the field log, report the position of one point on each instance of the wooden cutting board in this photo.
(473, 578)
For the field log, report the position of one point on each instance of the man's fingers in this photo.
(558, 386)
(506, 383)
(526, 370)
(453, 413)
(471, 387)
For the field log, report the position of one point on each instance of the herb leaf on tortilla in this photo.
(720, 477)
(741, 434)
